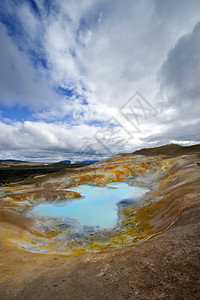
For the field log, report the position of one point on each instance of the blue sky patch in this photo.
(15, 113)
(95, 123)
(38, 60)
(65, 91)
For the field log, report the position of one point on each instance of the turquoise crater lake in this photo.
(97, 208)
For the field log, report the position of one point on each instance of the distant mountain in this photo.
(87, 162)
(65, 161)
(12, 161)
(169, 150)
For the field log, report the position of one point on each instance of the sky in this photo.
(91, 79)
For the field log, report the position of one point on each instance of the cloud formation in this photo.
(180, 72)
(74, 64)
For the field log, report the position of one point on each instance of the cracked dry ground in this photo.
(166, 266)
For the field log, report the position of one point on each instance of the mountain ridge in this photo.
(169, 150)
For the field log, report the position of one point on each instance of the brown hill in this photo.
(171, 150)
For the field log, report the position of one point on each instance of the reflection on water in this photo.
(98, 208)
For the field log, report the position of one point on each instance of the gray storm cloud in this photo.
(180, 72)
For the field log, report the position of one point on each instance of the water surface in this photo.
(97, 208)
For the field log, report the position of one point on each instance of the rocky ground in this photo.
(165, 265)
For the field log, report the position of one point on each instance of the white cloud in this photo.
(61, 140)
(20, 82)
